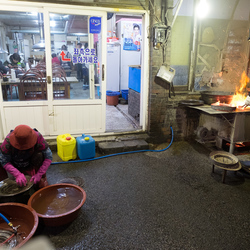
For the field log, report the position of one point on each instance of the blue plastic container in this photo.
(112, 93)
(125, 94)
(112, 97)
(85, 145)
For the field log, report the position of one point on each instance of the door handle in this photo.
(49, 79)
(103, 72)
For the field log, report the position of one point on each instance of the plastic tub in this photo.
(58, 204)
(112, 97)
(125, 94)
(66, 147)
(85, 145)
(19, 214)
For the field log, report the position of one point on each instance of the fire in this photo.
(240, 97)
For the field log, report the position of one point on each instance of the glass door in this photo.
(51, 62)
(75, 62)
(75, 56)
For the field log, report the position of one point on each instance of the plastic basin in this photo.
(58, 204)
(125, 94)
(20, 214)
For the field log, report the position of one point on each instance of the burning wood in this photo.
(240, 97)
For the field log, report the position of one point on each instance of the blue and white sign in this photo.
(95, 25)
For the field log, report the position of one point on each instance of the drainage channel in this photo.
(128, 118)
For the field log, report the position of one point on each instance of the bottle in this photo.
(13, 74)
(27, 67)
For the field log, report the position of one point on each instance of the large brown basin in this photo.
(19, 214)
(58, 204)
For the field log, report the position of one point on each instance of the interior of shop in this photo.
(23, 62)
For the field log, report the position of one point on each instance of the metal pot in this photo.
(210, 97)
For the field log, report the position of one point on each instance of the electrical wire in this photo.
(153, 8)
(141, 4)
(171, 8)
(123, 153)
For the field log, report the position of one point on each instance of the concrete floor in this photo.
(155, 200)
(118, 119)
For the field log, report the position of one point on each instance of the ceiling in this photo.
(28, 22)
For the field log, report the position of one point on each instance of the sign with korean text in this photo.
(85, 56)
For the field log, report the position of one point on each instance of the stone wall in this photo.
(223, 53)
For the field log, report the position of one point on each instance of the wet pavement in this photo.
(155, 200)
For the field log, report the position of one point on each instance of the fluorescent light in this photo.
(2, 51)
(33, 13)
(52, 23)
(202, 9)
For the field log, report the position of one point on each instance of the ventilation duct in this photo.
(40, 46)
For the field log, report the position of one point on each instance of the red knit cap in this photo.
(23, 137)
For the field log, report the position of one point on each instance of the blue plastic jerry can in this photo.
(85, 145)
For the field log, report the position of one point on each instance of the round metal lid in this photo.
(224, 159)
(9, 187)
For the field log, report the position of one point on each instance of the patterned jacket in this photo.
(20, 158)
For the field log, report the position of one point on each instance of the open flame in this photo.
(240, 97)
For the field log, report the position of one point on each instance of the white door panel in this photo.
(78, 119)
(35, 117)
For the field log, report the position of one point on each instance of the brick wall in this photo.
(165, 112)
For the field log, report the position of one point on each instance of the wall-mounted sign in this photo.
(95, 25)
